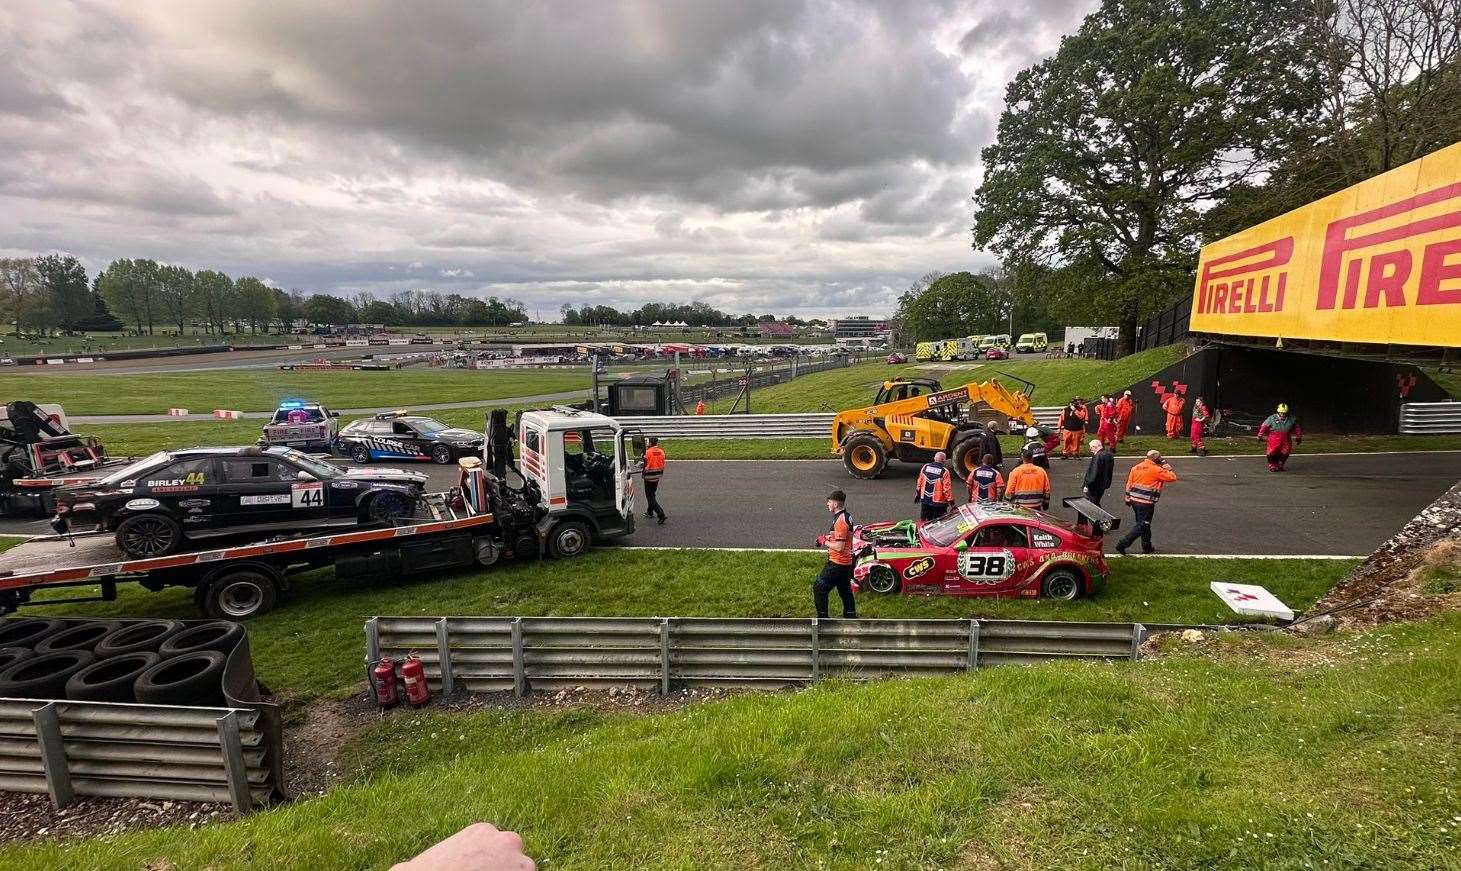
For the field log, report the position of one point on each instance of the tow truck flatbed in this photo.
(437, 537)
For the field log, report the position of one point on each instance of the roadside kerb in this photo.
(525, 654)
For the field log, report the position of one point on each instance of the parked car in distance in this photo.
(996, 353)
(1032, 343)
(896, 358)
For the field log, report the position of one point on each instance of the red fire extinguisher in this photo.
(383, 681)
(413, 675)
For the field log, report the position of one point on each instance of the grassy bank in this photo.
(261, 389)
(1254, 752)
(323, 615)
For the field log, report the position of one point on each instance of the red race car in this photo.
(986, 549)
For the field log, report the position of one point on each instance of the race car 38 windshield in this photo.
(943, 533)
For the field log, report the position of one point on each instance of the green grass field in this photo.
(1056, 381)
(261, 389)
(324, 616)
(1254, 752)
(99, 342)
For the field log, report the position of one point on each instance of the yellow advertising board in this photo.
(1379, 262)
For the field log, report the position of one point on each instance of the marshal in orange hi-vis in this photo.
(1379, 263)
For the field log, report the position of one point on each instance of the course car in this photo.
(305, 425)
(986, 549)
(158, 503)
(397, 435)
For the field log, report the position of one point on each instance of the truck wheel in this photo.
(864, 457)
(360, 454)
(110, 680)
(148, 535)
(966, 457)
(239, 595)
(883, 580)
(1062, 585)
(441, 455)
(187, 679)
(569, 538)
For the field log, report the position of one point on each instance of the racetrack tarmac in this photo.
(1324, 505)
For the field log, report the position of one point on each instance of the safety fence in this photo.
(726, 384)
(70, 749)
(1424, 418)
(763, 426)
(525, 654)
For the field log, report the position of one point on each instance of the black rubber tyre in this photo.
(239, 595)
(441, 455)
(864, 457)
(148, 535)
(43, 677)
(188, 679)
(110, 680)
(360, 454)
(142, 637)
(883, 579)
(28, 631)
(11, 655)
(1062, 585)
(966, 456)
(78, 636)
(217, 635)
(569, 539)
(387, 508)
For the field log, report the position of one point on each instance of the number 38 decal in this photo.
(986, 568)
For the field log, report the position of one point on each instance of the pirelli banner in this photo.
(1379, 262)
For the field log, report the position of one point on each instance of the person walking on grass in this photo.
(837, 573)
(654, 470)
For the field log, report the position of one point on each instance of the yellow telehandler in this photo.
(911, 420)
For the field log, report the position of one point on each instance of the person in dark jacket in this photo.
(989, 444)
(1098, 471)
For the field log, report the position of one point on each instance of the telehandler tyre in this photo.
(864, 457)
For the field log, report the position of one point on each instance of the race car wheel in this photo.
(441, 455)
(1063, 585)
(148, 535)
(388, 508)
(569, 538)
(360, 454)
(882, 579)
(864, 457)
(239, 595)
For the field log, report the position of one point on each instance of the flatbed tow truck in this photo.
(479, 522)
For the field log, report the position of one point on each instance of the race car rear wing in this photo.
(1093, 515)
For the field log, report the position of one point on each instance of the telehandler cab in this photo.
(911, 420)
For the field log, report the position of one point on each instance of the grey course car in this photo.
(157, 504)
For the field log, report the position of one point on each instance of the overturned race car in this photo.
(986, 549)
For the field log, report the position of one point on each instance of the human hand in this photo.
(478, 847)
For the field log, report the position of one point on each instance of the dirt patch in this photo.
(30, 817)
(312, 747)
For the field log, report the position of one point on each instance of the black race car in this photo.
(156, 504)
(397, 435)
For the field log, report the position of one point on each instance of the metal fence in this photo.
(724, 384)
(524, 654)
(1171, 324)
(70, 749)
(763, 426)
(1423, 418)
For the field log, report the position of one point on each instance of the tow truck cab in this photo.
(584, 464)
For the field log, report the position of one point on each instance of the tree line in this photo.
(695, 314)
(1162, 125)
(54, 293)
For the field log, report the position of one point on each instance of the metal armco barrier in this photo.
(1424, 418)
(524, 654)
(69, 749)
(762, 426)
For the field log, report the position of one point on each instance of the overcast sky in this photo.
(785, 157)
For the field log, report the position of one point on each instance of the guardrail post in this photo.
(372, 641)
(816, 649)
(519, 671)
(1138, 632)
(973, 645)
(664, 655)
(233, 762)
(443, 653)
(47, 720)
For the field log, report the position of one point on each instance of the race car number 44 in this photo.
(307, 495)
(987, 567)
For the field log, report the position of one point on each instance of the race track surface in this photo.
(1324, 505)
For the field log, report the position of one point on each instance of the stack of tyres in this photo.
(159, 662)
